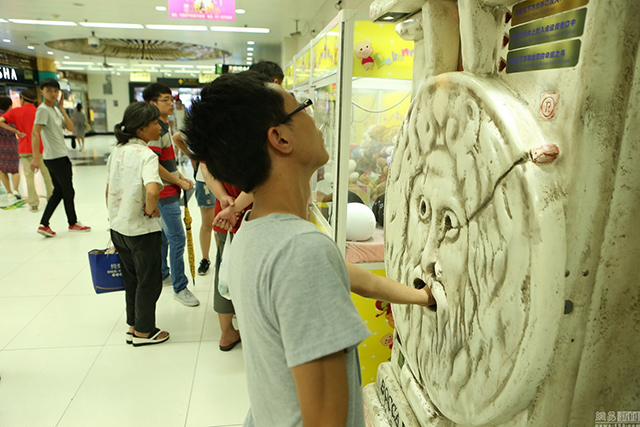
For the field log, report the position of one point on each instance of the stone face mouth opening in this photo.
(420, 284)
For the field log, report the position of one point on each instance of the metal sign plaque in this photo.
(560, 27)
(544, 57)
(536, 9)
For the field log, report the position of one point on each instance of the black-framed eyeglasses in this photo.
(306, 103)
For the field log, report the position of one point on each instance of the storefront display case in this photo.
(358, 74)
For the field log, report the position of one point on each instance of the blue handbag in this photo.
(105, 271)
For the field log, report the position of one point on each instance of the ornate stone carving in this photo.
(470, 216)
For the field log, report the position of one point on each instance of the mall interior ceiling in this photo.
(259, 30)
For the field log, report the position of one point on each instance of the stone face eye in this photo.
(450, 225)
(424, 209)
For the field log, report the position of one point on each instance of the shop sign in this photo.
(140, 77)
(537, 9)
(379, 51)
(216, 10)
(544, 57)
(8, 74)
(561, 27)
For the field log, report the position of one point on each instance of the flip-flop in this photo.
(230, 346)
(150, 340)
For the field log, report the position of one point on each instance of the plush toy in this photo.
(363, 50)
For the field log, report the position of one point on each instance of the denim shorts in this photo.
(204, 196)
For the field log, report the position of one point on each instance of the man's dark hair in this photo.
(5, 103)
(269, 69)
(227, 126)
(154, 90)
(50, 83)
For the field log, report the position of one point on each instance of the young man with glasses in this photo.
(173, 236)
(288, 281)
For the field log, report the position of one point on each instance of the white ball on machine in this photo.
(361, 222)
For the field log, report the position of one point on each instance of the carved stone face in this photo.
(461, 219)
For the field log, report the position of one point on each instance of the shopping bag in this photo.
(105, 271)
(223, 274)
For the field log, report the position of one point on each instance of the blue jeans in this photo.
(173, 237)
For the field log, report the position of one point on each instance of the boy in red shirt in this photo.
(23, 118)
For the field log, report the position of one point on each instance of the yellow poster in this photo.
(288, 77)
(303, 67)
(325, 52)
(379, 51)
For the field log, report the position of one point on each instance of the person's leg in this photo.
(5, 181)
(15, 177)
(174, 232)
(206, 228)
(68, 193)
(56, 197)
(147, 259)
(32, 194)
(221, 305)
(48, 182)
(165, 252)
(128, 275)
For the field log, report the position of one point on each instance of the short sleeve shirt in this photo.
(52, 122)
(167, 156)
(130, 168)
(22, 118)
(291, 292)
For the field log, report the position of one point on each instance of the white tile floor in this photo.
(63, 357)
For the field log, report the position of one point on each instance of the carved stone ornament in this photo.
(473, 218)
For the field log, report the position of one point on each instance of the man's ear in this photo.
(278, 140)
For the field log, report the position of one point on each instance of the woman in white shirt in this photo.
(133, 192)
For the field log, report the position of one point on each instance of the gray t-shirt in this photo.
(52, 123)
(291, 291)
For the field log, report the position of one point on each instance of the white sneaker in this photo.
(167, 281)
(11, 198)
(18, 196)
(186, 297)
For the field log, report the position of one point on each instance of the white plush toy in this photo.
(361, 222)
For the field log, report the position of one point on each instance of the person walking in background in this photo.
(50, 119)
(173, 236)
(133, 192)
(79, 125)
(23, 118)
(9, 160)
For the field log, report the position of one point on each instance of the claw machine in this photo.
(358, 74)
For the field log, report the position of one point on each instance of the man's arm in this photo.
(217, 188)
(323, 391)
(184, 184)
(68, 124)
(369, 285)
(35, 147)
(4, 125)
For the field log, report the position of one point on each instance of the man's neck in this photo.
(165, 119)
(283, 192)
(49, 104)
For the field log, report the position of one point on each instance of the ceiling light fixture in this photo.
(49, 52)
(241, 11)
(71, 68)
(161, 8)
(111, 25)
(250, 49)
(205, 66)
(3, 20)
(178, 66)
(40, 22)
(251, 42)
(31, 47)
(66, 57)
(239, 30)
(77, 63)
(177, 27)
